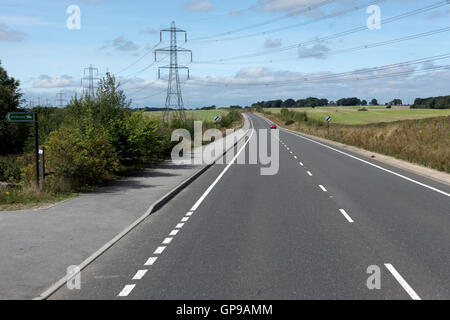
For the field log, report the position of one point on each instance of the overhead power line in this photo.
(333, 36)
(264, 23)
(358, 48)
(296, 25)
(329, 77)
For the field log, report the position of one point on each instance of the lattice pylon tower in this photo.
(174, 98)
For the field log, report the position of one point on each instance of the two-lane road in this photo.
(309, 232)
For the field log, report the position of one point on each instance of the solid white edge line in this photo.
(323, 188)
(345, 214)
(150, 261)
(372, 164)
(140, 274)
(205, 194)
(126, 290)
(402, 282)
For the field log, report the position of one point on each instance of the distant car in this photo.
(273, 126)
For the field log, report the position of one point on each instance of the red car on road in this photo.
(273, 126)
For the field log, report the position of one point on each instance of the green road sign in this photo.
(20, 116)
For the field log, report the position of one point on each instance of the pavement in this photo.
(329, 225)
(37, 246)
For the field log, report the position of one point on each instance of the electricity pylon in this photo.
(174, 98)
(90, 78)
(60, 98)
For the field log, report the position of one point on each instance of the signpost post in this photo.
(328, 120)
(216, 119)
(28, 117)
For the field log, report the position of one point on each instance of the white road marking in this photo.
(173, 232)
(140, 274)
(290, 152)
(295, 157)
(150, 261)
(159, 250)
(189, 213)
(167, 240)
(185, 219)
(179, 226)
(402, 282)
(309, 173)
(126, 290)
(301, 163)
(349, 219)
(374, 165)
(323, 188)
(205, 194)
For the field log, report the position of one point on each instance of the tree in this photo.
(374, 102)
(349, 102)
(396, 102)
(12, 135)
(289, 103)
(364, 103)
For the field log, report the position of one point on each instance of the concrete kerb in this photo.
(153, 208)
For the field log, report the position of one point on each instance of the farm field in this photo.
(201, 115)
(351, 115)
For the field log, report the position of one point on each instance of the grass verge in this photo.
(424, 141)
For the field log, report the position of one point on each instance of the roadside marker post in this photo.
(28, 117)
(328, 120)
(216, 119)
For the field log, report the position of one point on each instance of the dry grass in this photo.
(424, 141)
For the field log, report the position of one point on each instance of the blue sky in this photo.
(37, 48)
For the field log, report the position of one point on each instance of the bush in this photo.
(363, 109)
(9, 170)
(86, 160)
(289, 122)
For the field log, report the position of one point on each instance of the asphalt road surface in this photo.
(312, 231)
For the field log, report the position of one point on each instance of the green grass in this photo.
(201, 115)
(351, 115)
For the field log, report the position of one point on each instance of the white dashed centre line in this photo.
(179, 226)
(295, 157)
(301, 163)
(189, 213)
(167, 240)
(126, 290)
(323, 188)
(402, 282)
(185, 219)
(346, 215)
(159, 250)
(309, 173)
(173, 232)
(140, 274)
(150, 261)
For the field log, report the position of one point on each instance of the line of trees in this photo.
(442, 102)
(312, 102)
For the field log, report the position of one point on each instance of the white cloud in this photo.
(272, 43)
(317, 51)
(7, 34)
(120, 44)
(199, 6)
(64, 81)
